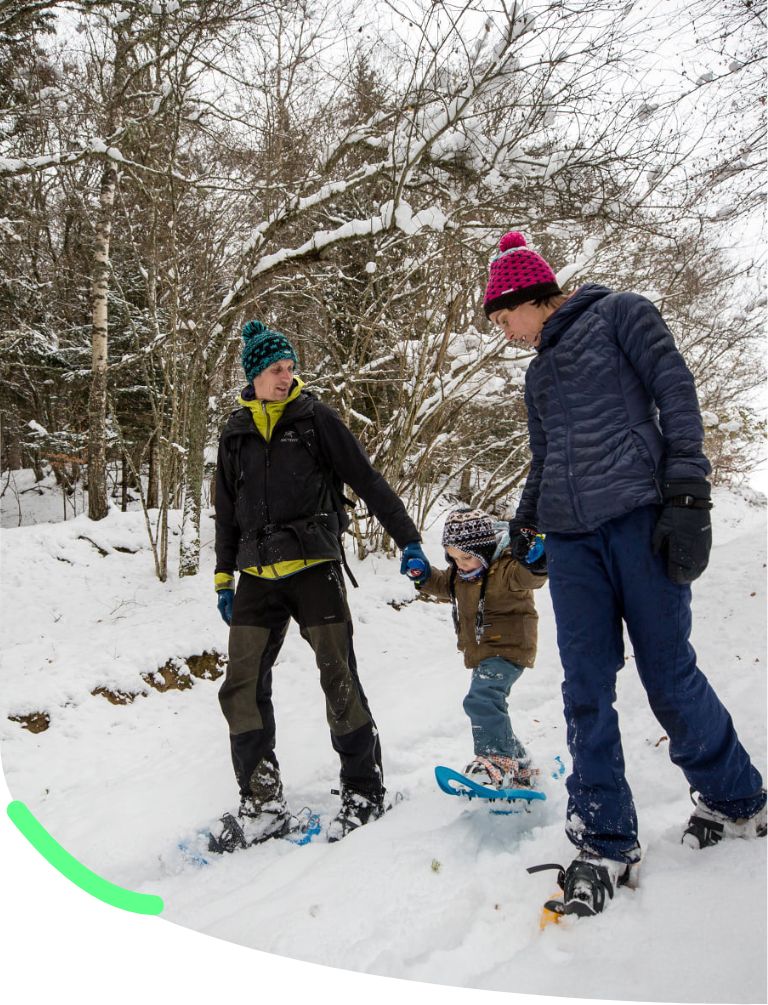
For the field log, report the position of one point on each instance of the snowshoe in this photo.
(587, 885)
(707, 827)
(235, 832)
(253, 824)
(356, 810)
(453, 783)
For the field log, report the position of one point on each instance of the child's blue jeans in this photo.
(486, 706)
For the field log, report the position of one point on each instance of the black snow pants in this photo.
(316, 599)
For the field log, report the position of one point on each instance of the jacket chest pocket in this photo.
(250, 480)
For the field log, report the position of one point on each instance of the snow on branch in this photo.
(302, 204)
(11, 166)
(428, 124)
(389, 216)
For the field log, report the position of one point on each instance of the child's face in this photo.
(464, 562)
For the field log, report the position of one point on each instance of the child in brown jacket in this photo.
(491, 595)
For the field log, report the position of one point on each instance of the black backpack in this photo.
(308, 435)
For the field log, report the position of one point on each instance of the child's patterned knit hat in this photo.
(262, 347)
(472, 531)
(517, 275)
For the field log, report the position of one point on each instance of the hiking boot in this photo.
(707, 827)
(357, 809)
(589, 882)
(499, 772)
(255, 822)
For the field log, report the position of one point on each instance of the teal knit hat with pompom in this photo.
(262, 347)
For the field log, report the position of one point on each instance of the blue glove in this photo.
(224, 601)
(414, 563)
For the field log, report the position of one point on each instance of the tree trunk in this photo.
(9, 438)
(13, 453)
(98, 502)
(125, 475)
(153, 493)
(189, 548)
(37, 465)
(465, 489)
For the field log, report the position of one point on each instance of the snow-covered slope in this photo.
(437, 890)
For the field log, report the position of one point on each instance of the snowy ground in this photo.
(437, 890)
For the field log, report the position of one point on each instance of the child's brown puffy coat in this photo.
(511, 620)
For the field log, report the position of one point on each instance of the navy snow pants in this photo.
(597, 580)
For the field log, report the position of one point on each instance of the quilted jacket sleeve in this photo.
(648, 344)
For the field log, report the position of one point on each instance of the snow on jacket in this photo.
(273, 501)
(511, 621)
(612, 412)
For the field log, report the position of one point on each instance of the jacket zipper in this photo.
(267, 439)
(568, 471)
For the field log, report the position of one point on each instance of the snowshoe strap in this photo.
(494, 773)
(706, 832)
(555, 906)
(496, 769)
(231, 836)
(550, 865)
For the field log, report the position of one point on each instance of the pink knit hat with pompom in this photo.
(517, 275)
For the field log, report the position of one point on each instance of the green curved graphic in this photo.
(50, 849)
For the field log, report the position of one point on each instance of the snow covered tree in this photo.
(344, 178)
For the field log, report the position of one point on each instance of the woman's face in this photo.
(522, 324)
(274, 383)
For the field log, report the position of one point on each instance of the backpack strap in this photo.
(307, 433)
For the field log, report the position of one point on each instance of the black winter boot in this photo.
(356, 811)
(262, 815)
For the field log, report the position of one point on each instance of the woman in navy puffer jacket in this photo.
(618, 484)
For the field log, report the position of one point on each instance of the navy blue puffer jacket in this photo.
(612, 412)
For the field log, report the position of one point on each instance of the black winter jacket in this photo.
(273, 500)
(612, 411)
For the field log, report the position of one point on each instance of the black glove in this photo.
(683, 534)
(539, 565)
(521, 538)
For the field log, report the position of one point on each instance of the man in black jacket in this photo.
(283, 459)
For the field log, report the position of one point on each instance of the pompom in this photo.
(514, 239)
(254, 328)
